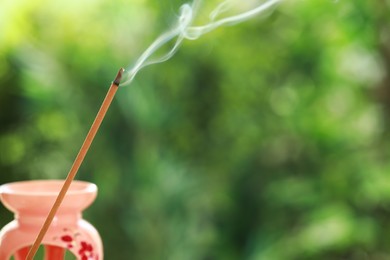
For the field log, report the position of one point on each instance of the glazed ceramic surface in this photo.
(31, 201)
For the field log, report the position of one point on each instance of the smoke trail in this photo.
(184, 30)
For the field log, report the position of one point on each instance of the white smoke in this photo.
(185, 30)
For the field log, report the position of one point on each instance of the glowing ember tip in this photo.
(118, 77)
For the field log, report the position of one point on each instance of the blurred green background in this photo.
(265, 140)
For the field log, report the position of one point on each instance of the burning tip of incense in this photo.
(118, 77)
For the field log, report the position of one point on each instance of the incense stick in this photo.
(77, 163)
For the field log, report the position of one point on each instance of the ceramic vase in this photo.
(31, 201)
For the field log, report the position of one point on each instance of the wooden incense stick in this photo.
(76, 164)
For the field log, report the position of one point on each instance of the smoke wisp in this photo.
(184, 29)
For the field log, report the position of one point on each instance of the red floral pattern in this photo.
(85, 250)
(67, 238)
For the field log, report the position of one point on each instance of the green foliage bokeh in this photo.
(264, 140)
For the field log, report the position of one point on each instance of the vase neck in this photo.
(37, 219)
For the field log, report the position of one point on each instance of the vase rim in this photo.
(46, 188)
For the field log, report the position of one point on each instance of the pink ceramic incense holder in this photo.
(31, 202)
